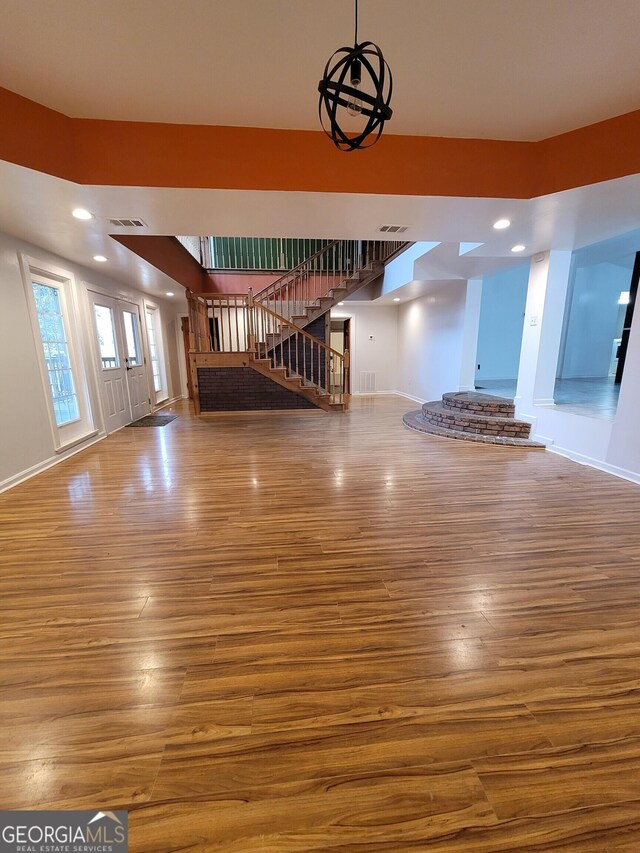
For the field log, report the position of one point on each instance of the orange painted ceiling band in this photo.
(113, 153)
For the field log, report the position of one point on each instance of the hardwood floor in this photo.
(306, 632)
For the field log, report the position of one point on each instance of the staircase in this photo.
(469, 416)
(297, 360)
(266, 331)
(327, 277)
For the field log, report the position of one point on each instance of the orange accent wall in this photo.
(140, 154)
(35, 136)
(225, 282)
(169, 256)
(98, 152)
(599, 152)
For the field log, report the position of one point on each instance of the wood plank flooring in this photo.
(308, 632)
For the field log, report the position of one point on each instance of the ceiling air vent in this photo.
(393, 229)
(128, 223)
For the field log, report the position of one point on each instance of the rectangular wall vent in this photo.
(367, 381)
(393, 229)
(123, 222)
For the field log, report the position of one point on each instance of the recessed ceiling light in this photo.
(501, 223)
(81, 213)
(518, 248)
(169, 293)
(100, 259)
(396, 299)
(340, 303)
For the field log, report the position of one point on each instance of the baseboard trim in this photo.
(407, 396)
(589, 461)
(40, 467)
(373, 393)
(262, 412)
(165, 403)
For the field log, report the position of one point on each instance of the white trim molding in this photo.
(40, 467)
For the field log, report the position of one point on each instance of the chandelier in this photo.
(344, 93)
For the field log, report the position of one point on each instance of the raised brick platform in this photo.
(472, 417)
(472, 401)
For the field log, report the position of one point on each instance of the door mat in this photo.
(153, 421)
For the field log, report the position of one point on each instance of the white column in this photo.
(470, 334)
(542, 331)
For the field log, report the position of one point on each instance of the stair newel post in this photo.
(346, 367)
(192, 322)
(259, 329)
(288, 364)
(239, 343)
(249, 322)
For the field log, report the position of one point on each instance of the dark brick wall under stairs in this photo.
(242, 389)
(317, 328)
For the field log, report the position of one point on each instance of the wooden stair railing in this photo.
(301, 356)
(219, 321)
(322, 279)
(226, 324)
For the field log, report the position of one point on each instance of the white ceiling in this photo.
(506, 69)
(37, 208)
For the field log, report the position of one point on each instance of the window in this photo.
(56, 353)
(132, 339)
(106, 337)
(156, 353)
(50, 294)
(153, 352)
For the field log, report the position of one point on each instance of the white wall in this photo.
(501, 318)
(26, 442)
(401, 269)
(430, 342)
(374, 343)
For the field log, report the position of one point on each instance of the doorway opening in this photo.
(502, 307)
(597, 322)
(630, 299)
(340, 340)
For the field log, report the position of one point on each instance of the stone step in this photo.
(484, 423)
(473, 401)
(415, 420)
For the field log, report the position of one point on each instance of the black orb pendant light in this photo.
(341, 91)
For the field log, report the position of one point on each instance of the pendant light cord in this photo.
(356, 24)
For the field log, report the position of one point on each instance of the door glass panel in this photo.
(56, 353)
(106, 337)
(132, 338)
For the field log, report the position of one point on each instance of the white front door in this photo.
(123, 380)
(111, 363)
(134, 361)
